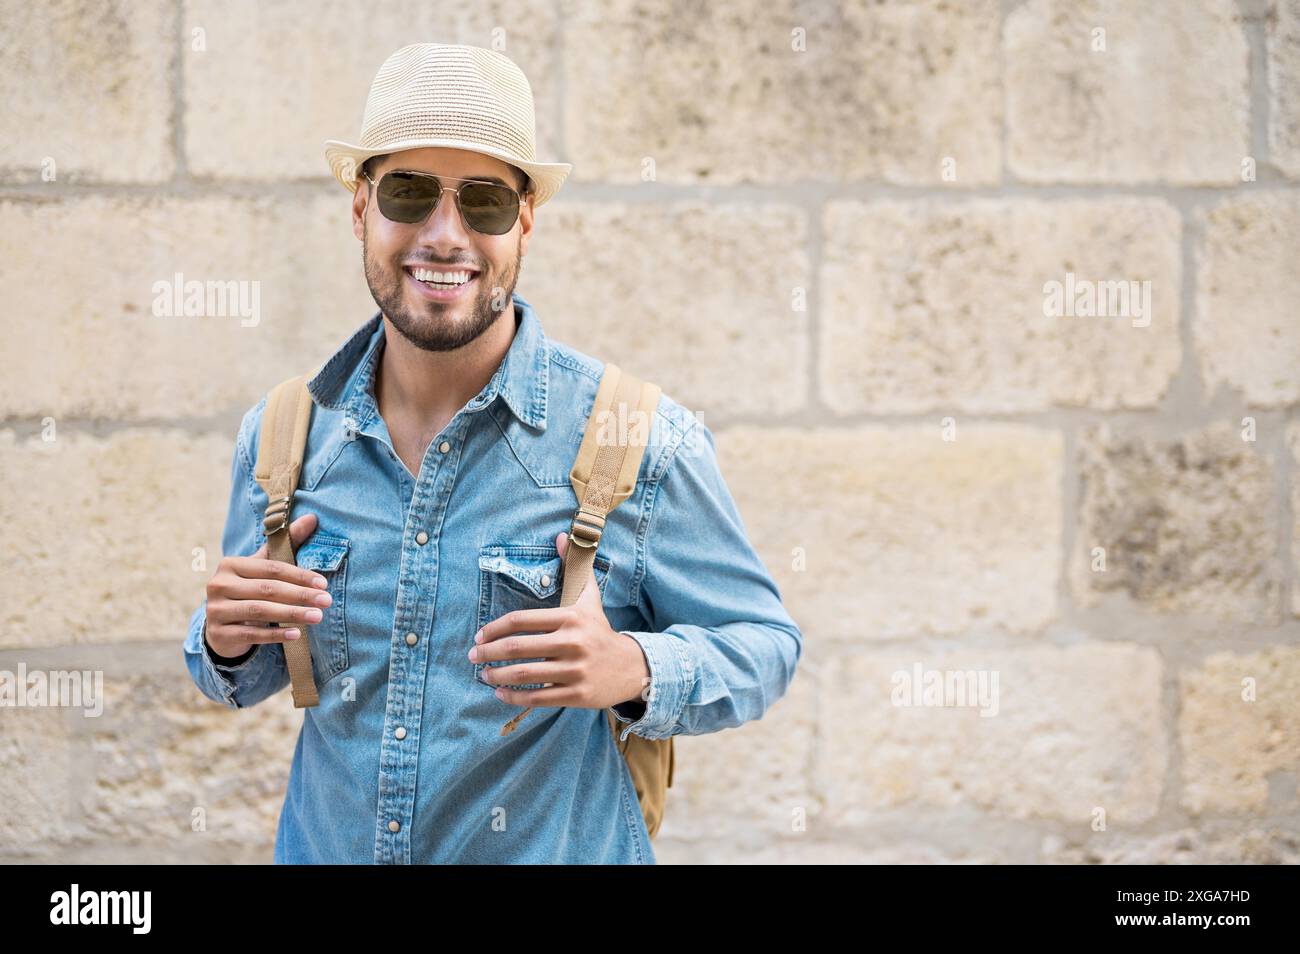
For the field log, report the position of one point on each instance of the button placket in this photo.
(402, 721)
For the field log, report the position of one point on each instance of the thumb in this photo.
(299, 531)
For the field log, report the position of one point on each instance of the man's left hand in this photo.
(587, 664)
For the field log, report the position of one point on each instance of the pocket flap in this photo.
(321, 552)
(535, 568)
(527, 566)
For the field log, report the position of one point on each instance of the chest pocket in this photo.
(521, 577)
(328, 556)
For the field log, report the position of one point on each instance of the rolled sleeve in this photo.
(237, 686)
(671, 679)
(723, 647)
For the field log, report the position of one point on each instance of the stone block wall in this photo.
(992, 307)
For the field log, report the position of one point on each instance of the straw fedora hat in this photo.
(454, 96)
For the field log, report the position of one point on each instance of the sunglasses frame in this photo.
(519, 196)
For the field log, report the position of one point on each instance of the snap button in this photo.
(412, 639)
(444, 447)
(394, 825)
(400, 733)
(546, 579)
(349, 428)
(421, 538)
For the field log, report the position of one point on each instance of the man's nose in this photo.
(444, 224)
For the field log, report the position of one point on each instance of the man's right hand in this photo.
(248, 593)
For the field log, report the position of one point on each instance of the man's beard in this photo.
(428, 327)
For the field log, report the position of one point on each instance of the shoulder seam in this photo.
(573, 364)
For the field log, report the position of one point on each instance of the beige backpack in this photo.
(603, 476)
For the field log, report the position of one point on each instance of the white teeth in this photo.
(441, 278)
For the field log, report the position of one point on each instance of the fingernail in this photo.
(291, 634)
(319, 582)
(313, 616)
(478, 637)
(324, 599)
(500, 693)
(473, 654)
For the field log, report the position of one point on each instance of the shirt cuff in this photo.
(222, 675)
(672, 676)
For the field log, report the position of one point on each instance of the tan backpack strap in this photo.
(604, 474)
(283, 438)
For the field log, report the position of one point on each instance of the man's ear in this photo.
(360, 199)
(525, 222)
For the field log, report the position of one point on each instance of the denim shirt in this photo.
(402, 761)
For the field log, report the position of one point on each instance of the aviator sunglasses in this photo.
(409, 197)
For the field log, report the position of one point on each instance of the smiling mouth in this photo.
(442, 288)
(441, 279)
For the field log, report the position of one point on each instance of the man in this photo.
(434, 500)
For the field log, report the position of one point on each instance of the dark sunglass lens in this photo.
(489, 208)
(407, 198)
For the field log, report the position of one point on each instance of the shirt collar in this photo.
(346, 380)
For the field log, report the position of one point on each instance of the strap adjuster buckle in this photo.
(277, 509)
(587, 528)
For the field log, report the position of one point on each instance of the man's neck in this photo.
(427, 388)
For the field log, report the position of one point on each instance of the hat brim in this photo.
(345, 160)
